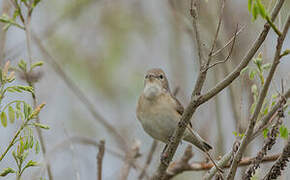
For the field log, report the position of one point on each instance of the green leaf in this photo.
(258, 62)
(241, 135)
(14, 156)
(255, 11)
(6, 171)
(22, 65)
(11, 114)
(244, 70)
(42, 126)
(35, 2)
(25, 88)
(16, 13)
(25, 110)
(261, 9)
(3, 119)
(1, 80)
(26, 145)
(253, 106)
(36, 147)
(265, 132)
(252, 74)
(274, 96)
(254, 89)
(24, 156)
(266, 66)
(266, 110)
(31, 163)
(31, 142)
(250, 3)
(18, 110)
(39, 63)
(284, 132)
(4, 18)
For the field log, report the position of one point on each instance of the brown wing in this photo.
(179, 108)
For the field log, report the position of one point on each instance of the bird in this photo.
(159, 111)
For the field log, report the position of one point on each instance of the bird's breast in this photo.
(158, 117)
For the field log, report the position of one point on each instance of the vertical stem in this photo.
(100, 158)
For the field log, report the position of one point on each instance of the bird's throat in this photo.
(152, 90)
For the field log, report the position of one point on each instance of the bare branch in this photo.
(228, 57)
(81, 95)
(197, 100)
(245, 61)
(180, 166)
(83, 141)
(100, 157)
(149, 159)
(263, 121)
(131, 156)
(270, 141)
(280, 164)
(285, 53)
(229, 42)
(260, 101)
(216, 33)
(266, 121)
(194, 14)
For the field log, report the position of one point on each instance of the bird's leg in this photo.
(214, 163)
(164, 156)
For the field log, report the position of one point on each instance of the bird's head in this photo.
(155, 83)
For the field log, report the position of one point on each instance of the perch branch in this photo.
(260, 101)
(100, 157)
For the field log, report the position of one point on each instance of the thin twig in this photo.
(179, 167)
(81, 95)
(260, 101)
(216, 33)
(228, 57)
(229, 42)
(149, 159)
(280, 164)
(269, 142)
(6, 8)
(100, 157)
(187, 114)
(245, 61)
(26, 23)
(263, 121)
(194, 14)
(131, 156)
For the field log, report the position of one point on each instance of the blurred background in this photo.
(105, 47)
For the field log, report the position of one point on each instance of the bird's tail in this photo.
(196, 140)
(206, 146)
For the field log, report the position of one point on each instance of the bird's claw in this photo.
(164, 159)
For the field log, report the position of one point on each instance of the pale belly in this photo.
(159, 124)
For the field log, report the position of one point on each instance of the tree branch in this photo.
(131, 156)
(81, 95)
(280, 164)
(194, 14)
(245, 61)
(149, 159)
(260, 101)
(197, 100)
(263, 121)
(181, 166)
(100, 157)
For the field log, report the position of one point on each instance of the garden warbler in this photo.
(159, 111)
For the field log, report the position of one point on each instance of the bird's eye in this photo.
(161, 76)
